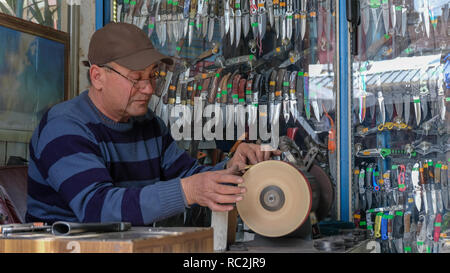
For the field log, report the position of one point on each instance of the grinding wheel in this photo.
(278, 198)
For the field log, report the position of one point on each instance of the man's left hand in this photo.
(247, 153)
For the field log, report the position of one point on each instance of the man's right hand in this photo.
(207, 189)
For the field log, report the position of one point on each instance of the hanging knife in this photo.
(283, 19)
(407, 103)
(398, 102)
(306, 96)
(192, 14)
(365, 15)
(198, 16)
(258, 85)
(289, 15)
(424, 92)
(205, 18)
(251, 81)
(404, 17)
(155, 99)
(151, 18)
(362, 189)
(227, 15)
(262, 19)
(270, 12)
(438, 176)
(393, 14)
(426, 17)
(277, 14)
(212, 17)
(381, 106)
(285, 96)
(292, 96)
(355, 192)
(299, 94)
(417, 188)
(170, 22)
(397, 7)
(237, 16)
(297, 19)
(313, 34)
(415, 91)
(303, 14)
(385, 10)
(278, 95)
(445, 188)
(245, 17)
(271, 99)
(241, 102)
(232, 26)
(254, 17)
(186, 11)
(368, 184)
(374, 6)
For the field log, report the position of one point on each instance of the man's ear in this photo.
(97, 77)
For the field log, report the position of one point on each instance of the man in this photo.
(103, 156)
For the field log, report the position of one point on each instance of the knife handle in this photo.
(407, 222)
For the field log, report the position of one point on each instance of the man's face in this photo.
(127, 93)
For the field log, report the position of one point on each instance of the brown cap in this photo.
(125, 44)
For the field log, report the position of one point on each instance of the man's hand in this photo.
(247, 153)
(206, 189)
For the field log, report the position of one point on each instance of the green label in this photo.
(285, 83)
(229, 85)
(394, 167)
(300, 73)
(191, 23)
(398, 8)
(126, 1)
(430, 163)
(199, 25)
(371, 210)
(289, 17)
(390, 216)
(417, 101)
(175, 3)
(419, 243)
(439, 165)
(169, 2)
(437, 224)
(248, 92)
(255, 104)
(224, 92)
(362, 223)
(151, 26)
(447, 99)
(399, 213)
(255, 24)
(238, 6)
(376, 174)
(199, 87)
(407, 249)
(178, 48)
(234, 96)
(133, 3)
(251, 57)
(218, 95)
(241, 100)
(217, 75)
(370, 227)
(401, 186)
(386, 36)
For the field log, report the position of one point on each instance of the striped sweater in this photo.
(84, 167)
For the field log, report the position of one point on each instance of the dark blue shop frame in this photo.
(344, 107)
(102, 13)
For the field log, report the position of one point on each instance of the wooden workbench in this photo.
(136, 240)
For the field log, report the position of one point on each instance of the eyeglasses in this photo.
(138, 84)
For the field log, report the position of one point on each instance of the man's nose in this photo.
(148, 89)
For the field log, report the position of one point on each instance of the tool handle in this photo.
(62, 228)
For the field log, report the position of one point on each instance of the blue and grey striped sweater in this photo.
(85, 167)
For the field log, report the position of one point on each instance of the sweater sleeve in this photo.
(69, 157)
